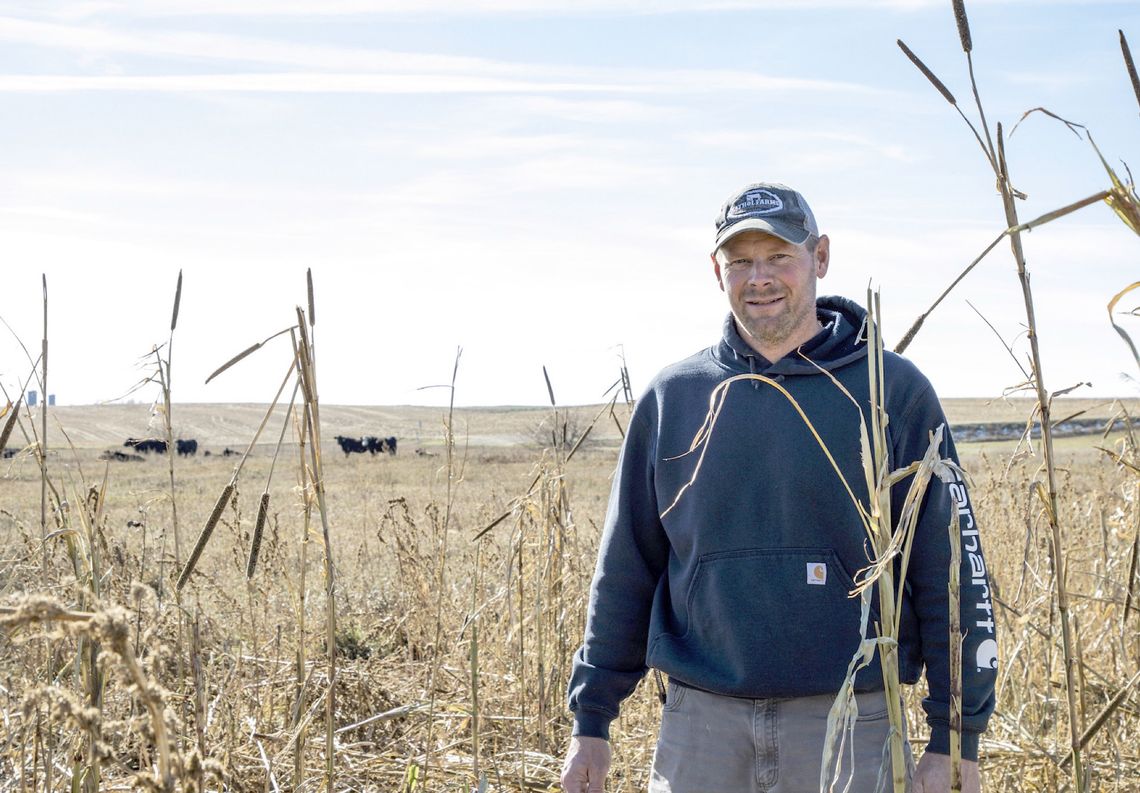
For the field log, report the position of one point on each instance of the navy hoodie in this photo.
(743, 587)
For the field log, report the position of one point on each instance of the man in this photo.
(738, 588)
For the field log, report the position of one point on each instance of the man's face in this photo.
(770, 285)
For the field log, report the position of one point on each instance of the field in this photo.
(451, 652)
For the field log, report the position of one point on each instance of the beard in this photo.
(798, 319)
(770, 331)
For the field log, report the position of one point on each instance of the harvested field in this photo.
(452, 654)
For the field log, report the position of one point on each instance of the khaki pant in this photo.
(724, 744)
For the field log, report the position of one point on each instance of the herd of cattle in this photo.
(188, 447)
(369, 443)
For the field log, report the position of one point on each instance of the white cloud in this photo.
(325, 82)
(266, 8)
(52, 214)
(592, 111)
(241, 49)
(490, 187)
(313, 82)
(482, 147)
(836, 144)
(323, 68)
(1052, 81)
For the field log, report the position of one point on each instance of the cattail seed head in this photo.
(1130, 65)
(258, 531)
(6, 433)
(549, 387)
(177, 300)
(908, 337)
(204, 537)
(312, 306)
(1002, 172)
(963, 25)
(247, 351)
(929, 74)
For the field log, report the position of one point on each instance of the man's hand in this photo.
(933, 775)
(586, 766)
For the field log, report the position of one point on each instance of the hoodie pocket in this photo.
(764, 622)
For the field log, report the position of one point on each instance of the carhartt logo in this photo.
(817, 573)
(756, 202)
(987, 655)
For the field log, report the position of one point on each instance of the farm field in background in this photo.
(453, 653)
(222, 425)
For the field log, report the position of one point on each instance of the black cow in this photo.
(10, 453)
(376, 445)
(187, 448)
(350, 445)
(228, 452)
(146, 445)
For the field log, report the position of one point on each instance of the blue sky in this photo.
(535, 181)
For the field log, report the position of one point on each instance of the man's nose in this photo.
(759, 272)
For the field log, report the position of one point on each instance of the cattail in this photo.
(1003, 171)
(247, 351)
(177, 300)
(900, 348)
(963, 25)
(312, 305)
(1130, 65)
(929, 74)
(258, 531)
(204, 537)
(250, 349)
(8, 425)
(549, 387)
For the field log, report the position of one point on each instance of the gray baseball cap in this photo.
(768, 207)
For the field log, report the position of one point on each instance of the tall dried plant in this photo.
(442, 528)
(1122, 199)
(306, 421)
(307, 371)
(164, 376)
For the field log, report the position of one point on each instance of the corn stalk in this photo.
(995, 156)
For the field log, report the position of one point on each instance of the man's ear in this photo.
(822, 256)
(716, 270)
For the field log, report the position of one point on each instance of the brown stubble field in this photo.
(453, 653)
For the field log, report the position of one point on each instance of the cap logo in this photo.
(756, 202)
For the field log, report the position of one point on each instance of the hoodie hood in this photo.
(842, 339)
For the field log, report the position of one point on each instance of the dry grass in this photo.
(517, 597)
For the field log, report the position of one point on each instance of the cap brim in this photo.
(786, 232)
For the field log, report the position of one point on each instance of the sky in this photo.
(534, 182)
